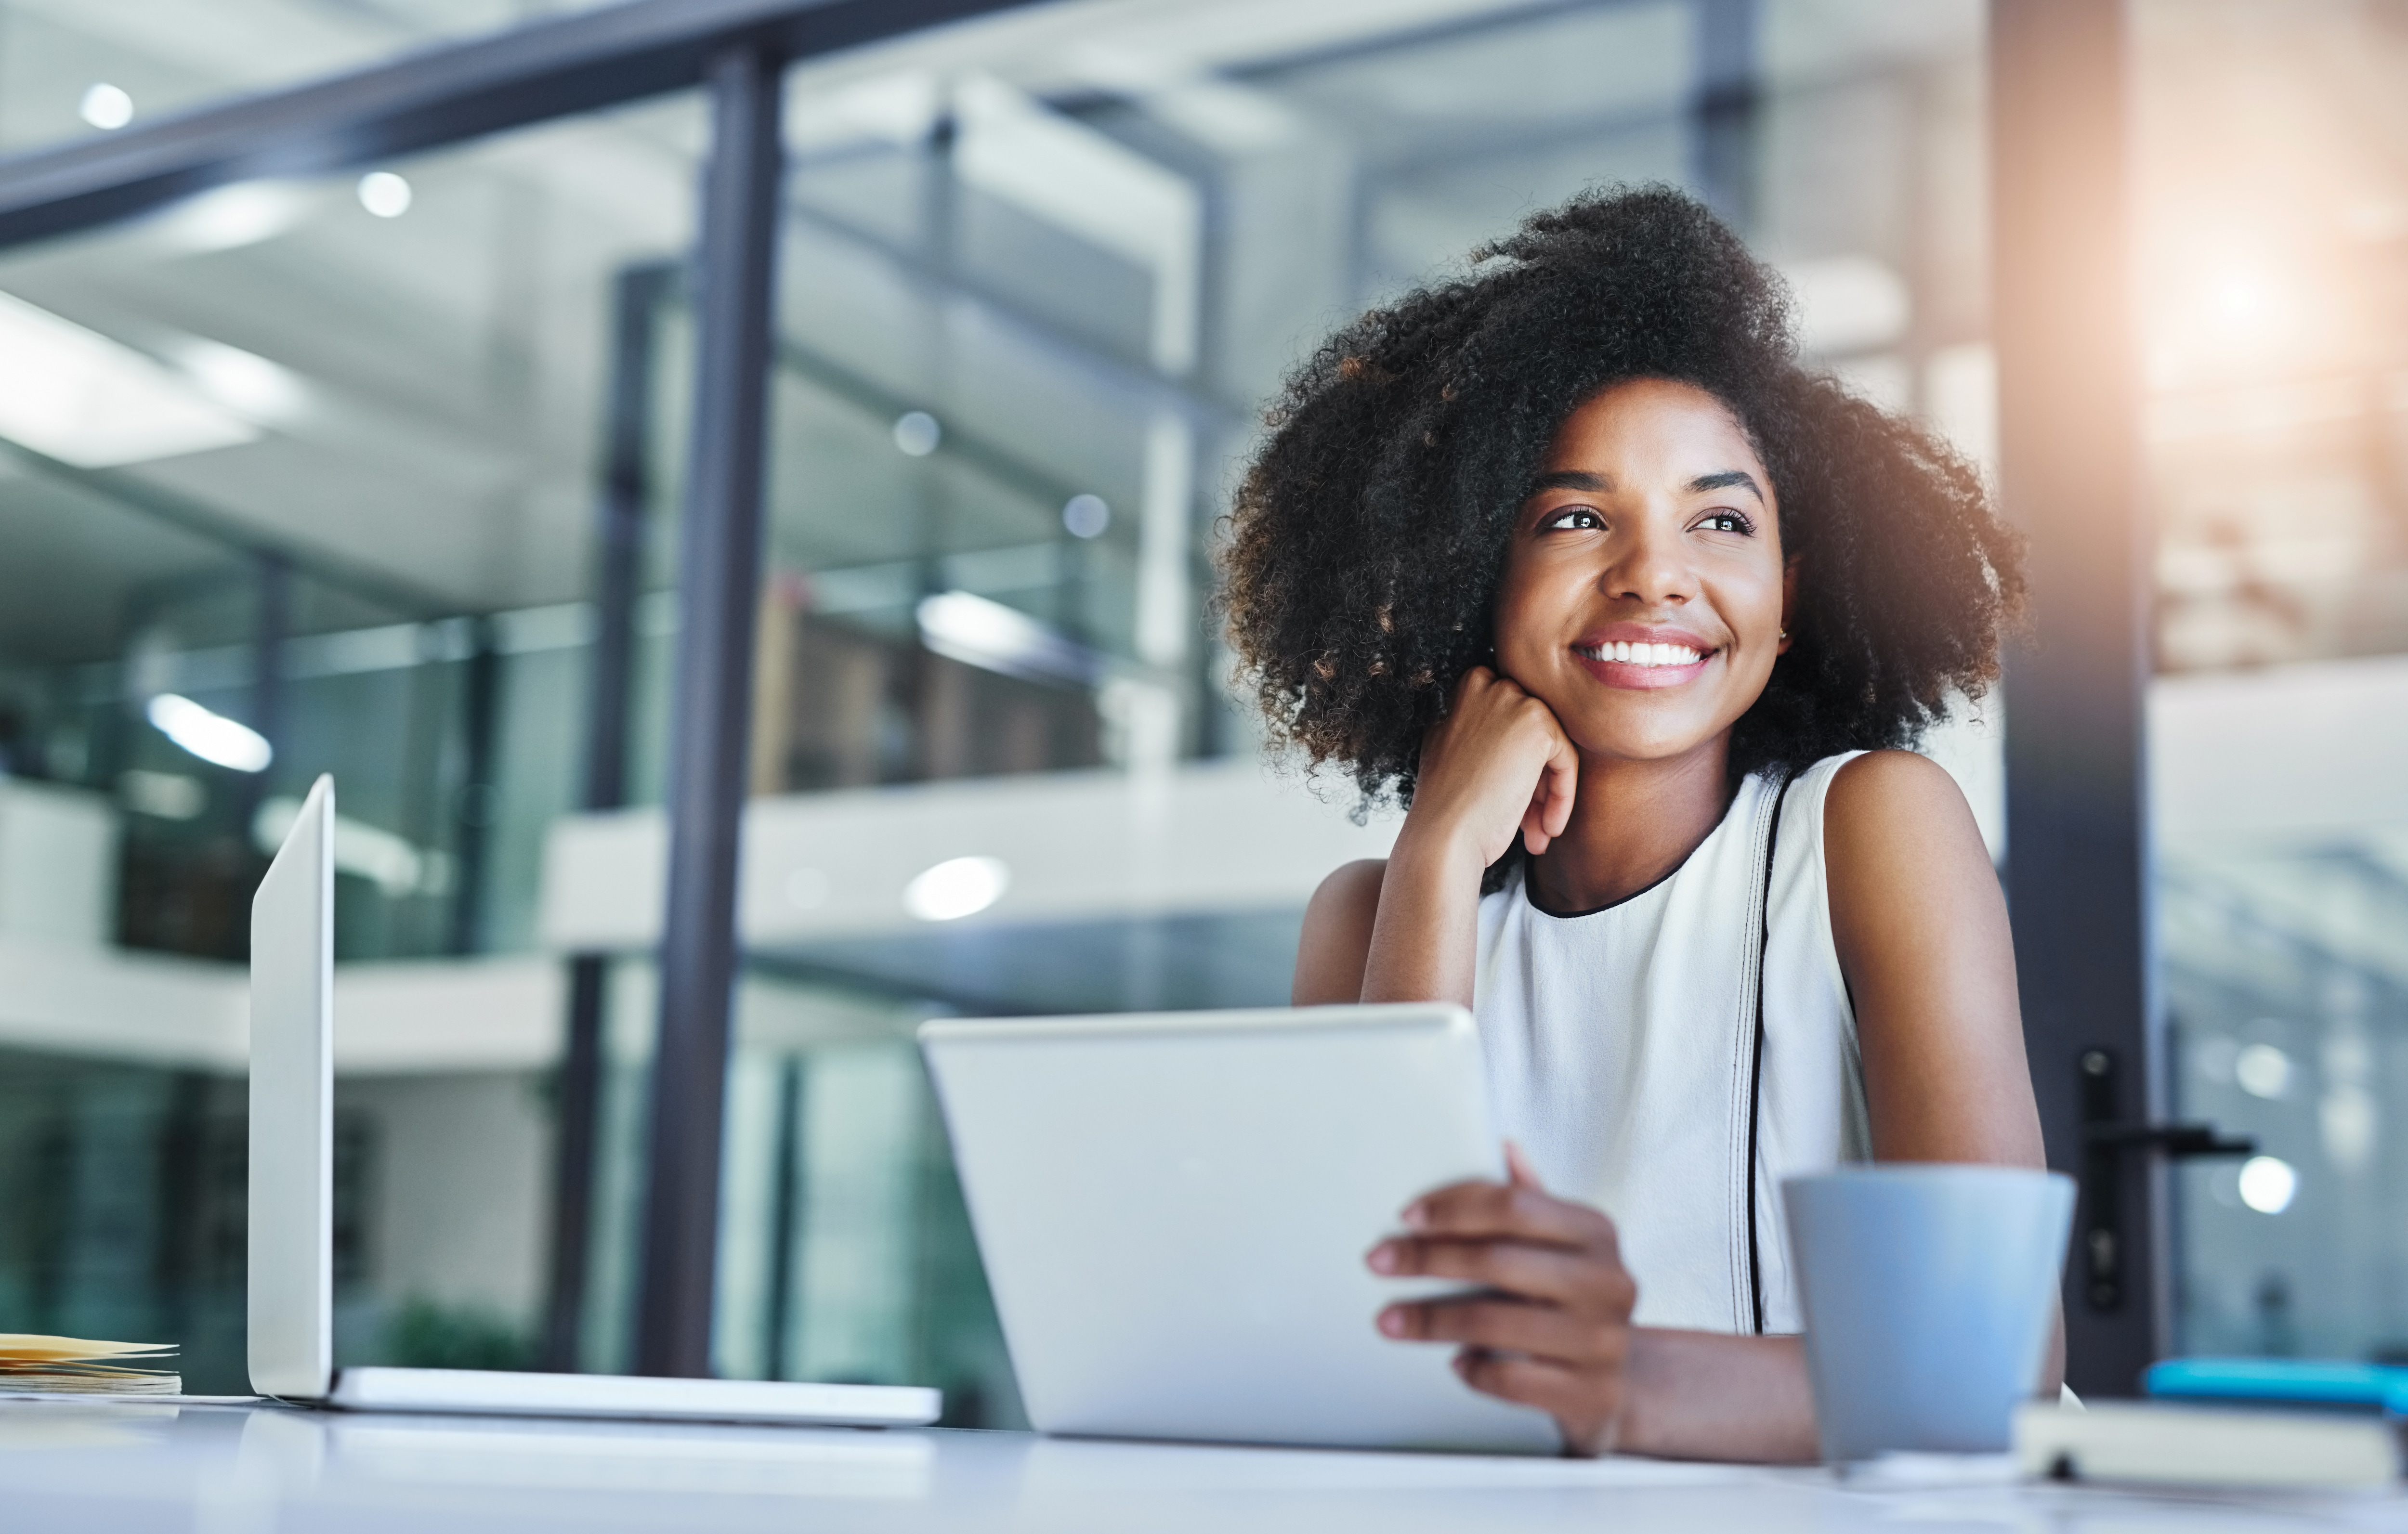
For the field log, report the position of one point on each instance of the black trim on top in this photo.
(1755, 1072)
(439, 95)
(1655, 883)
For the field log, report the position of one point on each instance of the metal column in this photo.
(271, 626)
(637, 297)
(477, 804)
(2070, 467)
(1723, 114)
(718, 587)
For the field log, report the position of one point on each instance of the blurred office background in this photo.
(313, 474)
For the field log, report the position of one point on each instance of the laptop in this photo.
(1173, 1210)
(292, 1291)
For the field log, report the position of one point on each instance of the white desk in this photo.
(234, 1470)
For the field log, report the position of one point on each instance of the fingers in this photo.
(1581, 1400)
(1559, 783)
(1551, 800)
(1491, 1211)
(1538, 1272)
(1534, 828)
(1518, 1171)
(1541, 1331)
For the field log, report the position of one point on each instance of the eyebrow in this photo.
(1575, 478)
(1725, 480)
(1570, 479)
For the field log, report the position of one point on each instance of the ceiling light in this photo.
(210, 735)
(957, 887)
(245, 382)
(2268, 1183)
(917, 434)
(1086, 516)
(76, 395)
(2262, 1070)
(969, 628)
(385, 193)
(105, 106)
(232, 217)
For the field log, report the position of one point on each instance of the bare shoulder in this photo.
(1896, 833)
(1337, 938)
(1892, 799)
(1901, 850)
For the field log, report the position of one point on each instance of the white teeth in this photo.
(1643, 654)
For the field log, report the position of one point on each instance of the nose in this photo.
(1650, 565)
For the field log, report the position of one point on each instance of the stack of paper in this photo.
(76, 1366)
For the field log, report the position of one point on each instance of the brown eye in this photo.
(1577, 518)
(1726, 521)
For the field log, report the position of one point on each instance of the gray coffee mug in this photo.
(1929, 1296)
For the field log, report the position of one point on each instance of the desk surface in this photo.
(236, 1471)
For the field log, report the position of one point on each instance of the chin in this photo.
(1623, 743)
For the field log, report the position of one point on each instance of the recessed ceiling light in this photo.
(1086, 516)
(2262, 1070)
(955, 888)
(76, 395)
(105, 106)
(231, 217)
(2268, 1183)
(385, 193)
(980, 631)
(243, 381)
(917, 434)
(210, 735)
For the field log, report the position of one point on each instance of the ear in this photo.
(1788, 602)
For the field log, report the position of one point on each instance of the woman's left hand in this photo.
(1552, 1328)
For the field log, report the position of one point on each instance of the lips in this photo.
(1643, 656)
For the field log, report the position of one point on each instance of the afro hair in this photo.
(1369, 535)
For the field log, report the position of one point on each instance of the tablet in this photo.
(1174, 1207)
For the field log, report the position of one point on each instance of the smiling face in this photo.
(1644, 594)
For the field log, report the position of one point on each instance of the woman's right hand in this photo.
(1497, 763)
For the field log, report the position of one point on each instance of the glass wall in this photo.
(1034, 297)
(2273, 208)
(300, 477)
(330, 500)
(1039, 278)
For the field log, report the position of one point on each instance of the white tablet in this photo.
(1174, 1207)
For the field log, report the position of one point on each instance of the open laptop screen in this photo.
(291, 1347)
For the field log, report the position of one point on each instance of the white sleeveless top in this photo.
(1621, 1055)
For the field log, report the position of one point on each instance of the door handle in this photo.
(2106, 1140)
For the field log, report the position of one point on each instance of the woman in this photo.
(1636, 616)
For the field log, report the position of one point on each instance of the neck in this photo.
(1632, 823)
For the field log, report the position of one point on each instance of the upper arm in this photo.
(1921, 928)
(1337, 941)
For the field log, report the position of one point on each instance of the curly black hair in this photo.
(1370, 533)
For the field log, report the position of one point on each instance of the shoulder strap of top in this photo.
(1756, 1071)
